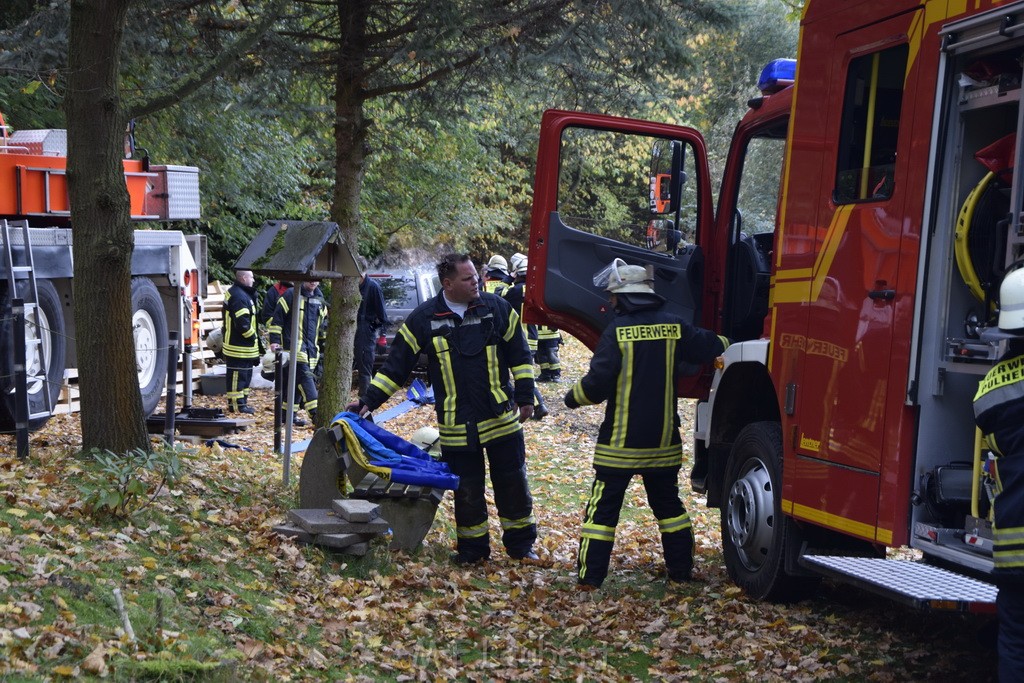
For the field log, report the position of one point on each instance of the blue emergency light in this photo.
(776, 75)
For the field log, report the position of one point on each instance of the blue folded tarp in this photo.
(391, 457)
(418, 394)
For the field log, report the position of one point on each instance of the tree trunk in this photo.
(111, 413)
(350, 165)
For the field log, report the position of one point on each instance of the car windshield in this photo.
(399, 291)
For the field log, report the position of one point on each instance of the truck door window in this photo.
(870, 126)
(605, 188)
(758, 200)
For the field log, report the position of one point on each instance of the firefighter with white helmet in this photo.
(515, 295)
(999, 412)
(496, 277)
(634, 369)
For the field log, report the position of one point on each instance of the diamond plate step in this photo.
(912, 583)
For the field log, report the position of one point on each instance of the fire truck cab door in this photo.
(841, 317)
(596, 197)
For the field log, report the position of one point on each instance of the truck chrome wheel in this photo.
(755, 534)
(149, 328)
(45, 323)
(750, 508)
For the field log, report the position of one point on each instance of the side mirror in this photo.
(667, 176)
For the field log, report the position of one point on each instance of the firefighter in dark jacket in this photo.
(496, 277)
(635, 366)
(515, 295)
(312, 311)
(999, 412)
(473, 343)
(241, 342)
(371, 317)
(270, 298)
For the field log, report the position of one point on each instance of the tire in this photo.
(149, 328)
(48, 322)
(754, 531)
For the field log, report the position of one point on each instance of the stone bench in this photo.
(408, 508)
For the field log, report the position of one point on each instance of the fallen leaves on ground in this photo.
(207, 583)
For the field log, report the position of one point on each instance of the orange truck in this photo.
(36, 231)
(867, 212)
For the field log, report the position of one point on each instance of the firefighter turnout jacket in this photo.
(634, 368)
(515, 294)
(469, 361)
(312, 324)
(241, 340)
(999, 412)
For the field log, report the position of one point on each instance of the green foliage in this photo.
(123, 485)
(28, 103)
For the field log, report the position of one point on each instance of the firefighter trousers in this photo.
(306, 395)
(1009, 571)
(602, 516)
(506, 459)
(238, 376)
(363, 355)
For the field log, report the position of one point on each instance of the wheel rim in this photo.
(144, 331)
(37, 325)
(751, 514)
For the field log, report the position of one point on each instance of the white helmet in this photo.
(518, 263)
(426, 439)
(215, 340)
(1011, 302)
(267, 363)
(620, 277)
(498, 263)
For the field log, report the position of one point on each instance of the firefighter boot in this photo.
(678, 549)
(540, 408)
(244, 407)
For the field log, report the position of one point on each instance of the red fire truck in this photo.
(866, 215)
(168, 267)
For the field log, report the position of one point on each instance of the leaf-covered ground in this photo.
(213, 594)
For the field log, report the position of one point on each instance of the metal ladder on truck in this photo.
(33, 340)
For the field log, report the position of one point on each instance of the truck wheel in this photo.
(149, 327)
(754, 531)
(46, 323)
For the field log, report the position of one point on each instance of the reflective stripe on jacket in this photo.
(240, 338)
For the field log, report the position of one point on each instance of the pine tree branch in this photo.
(192, 83)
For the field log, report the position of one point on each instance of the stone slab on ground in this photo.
(339, 541)
(358, 549)
(355, 510)
(289, 530)
(320, 521)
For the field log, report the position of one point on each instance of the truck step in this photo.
(916, 584)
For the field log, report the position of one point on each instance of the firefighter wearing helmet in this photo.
(634, 369)
(999, 412)
(515, 295)
(496, 277)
